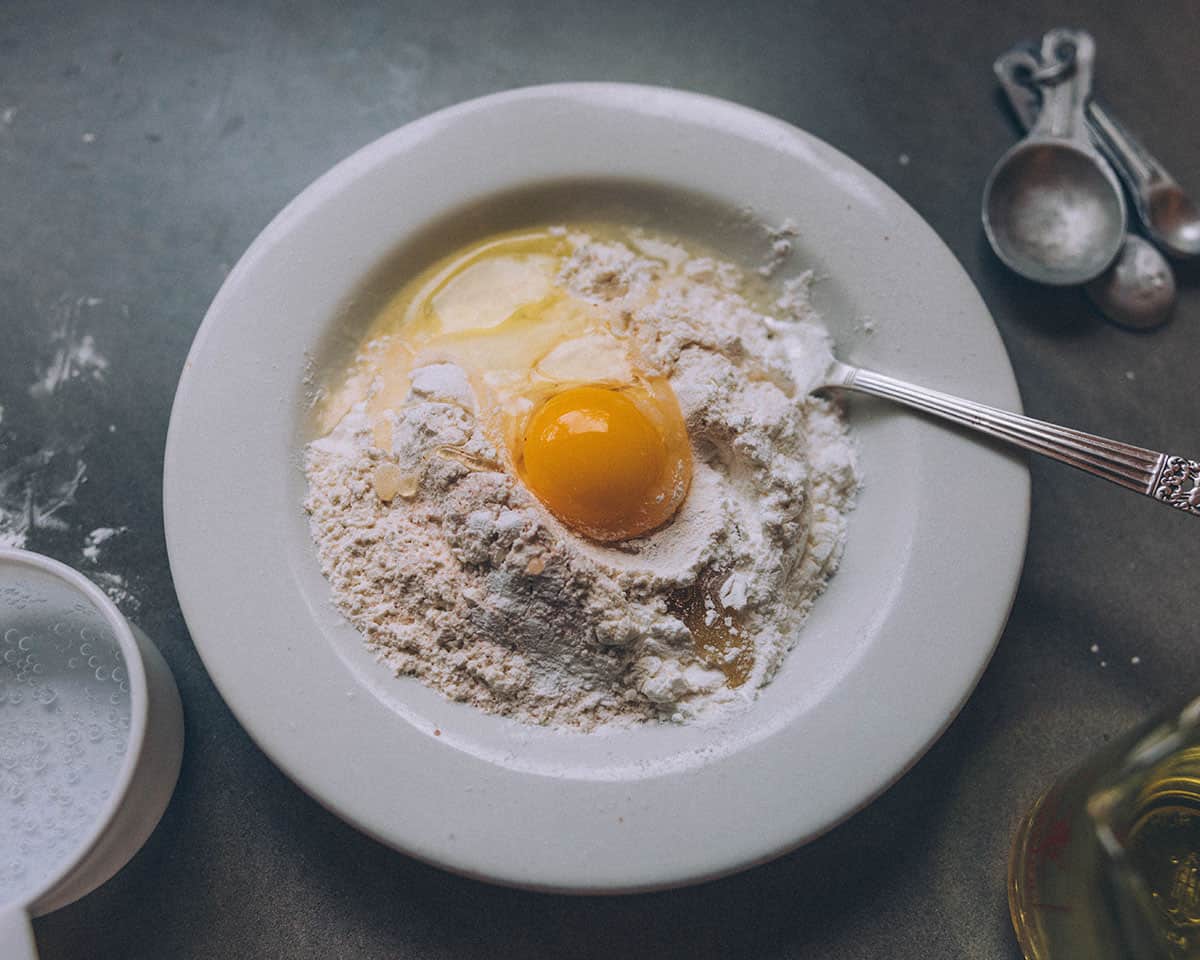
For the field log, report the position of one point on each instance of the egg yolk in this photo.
(608, 463)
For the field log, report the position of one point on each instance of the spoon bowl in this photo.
(1175, 219)
(1052, 214)
(1138, 290)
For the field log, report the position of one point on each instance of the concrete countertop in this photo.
(143, 146)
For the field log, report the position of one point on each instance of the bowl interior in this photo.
(841, 627)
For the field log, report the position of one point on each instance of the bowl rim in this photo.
(556, 102)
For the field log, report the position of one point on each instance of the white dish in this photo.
(891, 651)
(114, 804)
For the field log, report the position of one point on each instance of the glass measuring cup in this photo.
(1106, 864)
(91, 737)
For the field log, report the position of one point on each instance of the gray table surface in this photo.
(142, 147)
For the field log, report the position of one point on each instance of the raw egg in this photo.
(595, 437)
(610, 462)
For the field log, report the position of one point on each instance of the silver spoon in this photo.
(1170, 479)
(1170, 216)
(1052, 208)
(1138, 290)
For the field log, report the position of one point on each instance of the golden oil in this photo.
(1106, 864)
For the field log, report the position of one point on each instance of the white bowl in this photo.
(892, 649)
(149, 763)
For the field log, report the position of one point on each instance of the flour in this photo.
(36, 490)
(74, 356)
(46, 442)
(93, 541)
(117, 588)
(455, 574)
(780, 238)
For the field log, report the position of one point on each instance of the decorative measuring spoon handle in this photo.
(1014, 70)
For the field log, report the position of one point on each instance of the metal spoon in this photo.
(1138, 290)
(1168, 478)
(1170, 216)
(1052, 208)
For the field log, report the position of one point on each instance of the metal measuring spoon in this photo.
(1170, 216)
(1138, 290)
(1052, 208)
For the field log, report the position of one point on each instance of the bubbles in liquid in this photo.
(64, 725)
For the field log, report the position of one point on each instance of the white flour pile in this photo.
(468, 583)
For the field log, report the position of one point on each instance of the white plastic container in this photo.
(91, 738)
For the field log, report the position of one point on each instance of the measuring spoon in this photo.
(1170, 216)
(1138, 290)
(1052, 209)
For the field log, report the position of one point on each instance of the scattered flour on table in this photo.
(461, 578)
(74, 355)
(94, 540)
(40, 487)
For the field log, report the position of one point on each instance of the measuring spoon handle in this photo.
(1012, 69)
(1062, 115)
(1132, 160)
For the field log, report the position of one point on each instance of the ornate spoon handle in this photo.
(1172, 479)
